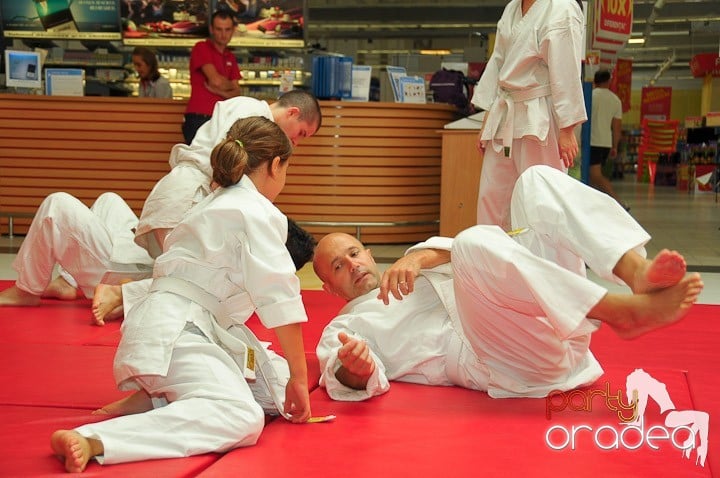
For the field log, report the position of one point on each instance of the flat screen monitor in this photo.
(22, 69)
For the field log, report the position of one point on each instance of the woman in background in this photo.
(152, 83)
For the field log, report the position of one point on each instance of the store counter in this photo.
(373, 168)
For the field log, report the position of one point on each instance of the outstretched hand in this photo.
(354, 355)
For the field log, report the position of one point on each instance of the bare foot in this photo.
(75, 448)
(107, 303)
(17, 297)
(60, 289)
(634, 315)
(138, 402)
(665, 270)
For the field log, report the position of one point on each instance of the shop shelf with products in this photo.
(659, 138)
(629, 144)
(701, 169)
(262, 74)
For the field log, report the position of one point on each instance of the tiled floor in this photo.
(689, 223)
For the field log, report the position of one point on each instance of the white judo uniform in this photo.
(233, 247)
(188, 181)
(530, 88)
(86, 242)
(502, 317)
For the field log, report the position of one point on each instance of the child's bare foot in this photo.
(138, 402)
(75, 449)
(60, 289)
(17, 297)
(665, 270)
(634, 315)
(107, 303)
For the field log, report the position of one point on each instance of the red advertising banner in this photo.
(621, 82)
(704, 64)
(613, 19)
(655, 103)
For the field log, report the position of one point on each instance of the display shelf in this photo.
(629, 144)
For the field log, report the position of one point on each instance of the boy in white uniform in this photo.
(189, 181)
(500, 317)
(532, 92)
(231, 250)
(85, 242)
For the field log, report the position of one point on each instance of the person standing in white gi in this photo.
(85, 242)
(532, 92)
(500, 317)
(231, 247)
(605, 132)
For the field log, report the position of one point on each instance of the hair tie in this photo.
(240, 143)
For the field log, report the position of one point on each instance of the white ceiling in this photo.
(674, 30)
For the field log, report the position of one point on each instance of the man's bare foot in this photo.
(138, 402)
(665, 270)
(75, 449)
(107, 303)
(634, 315)
(60, 289)
(14, 296)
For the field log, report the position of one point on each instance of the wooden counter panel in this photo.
(461, 166)
(370, 162)
(359, 178)
(83, 146)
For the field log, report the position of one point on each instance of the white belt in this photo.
(505, 106)
(236, 338)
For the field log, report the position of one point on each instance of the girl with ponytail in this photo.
(225, 261)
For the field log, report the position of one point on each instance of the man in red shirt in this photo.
(214, 73)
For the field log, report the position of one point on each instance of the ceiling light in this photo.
(636, 40)
(435, 52)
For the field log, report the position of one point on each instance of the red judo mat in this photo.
(58, 368)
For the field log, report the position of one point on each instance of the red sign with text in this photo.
(613, 19)
(621, 82)
(655, 102)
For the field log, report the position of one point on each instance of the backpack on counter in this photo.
(450, 86)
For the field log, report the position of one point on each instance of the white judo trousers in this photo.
(86, 242)
(524, 314)
(211, 409)
(500, 173)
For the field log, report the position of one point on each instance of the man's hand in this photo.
(297, 401)
(399, 278)
(357, 363)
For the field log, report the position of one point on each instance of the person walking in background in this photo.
(214, 73)
(532, 92)
(152, 83)
(605, 132)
